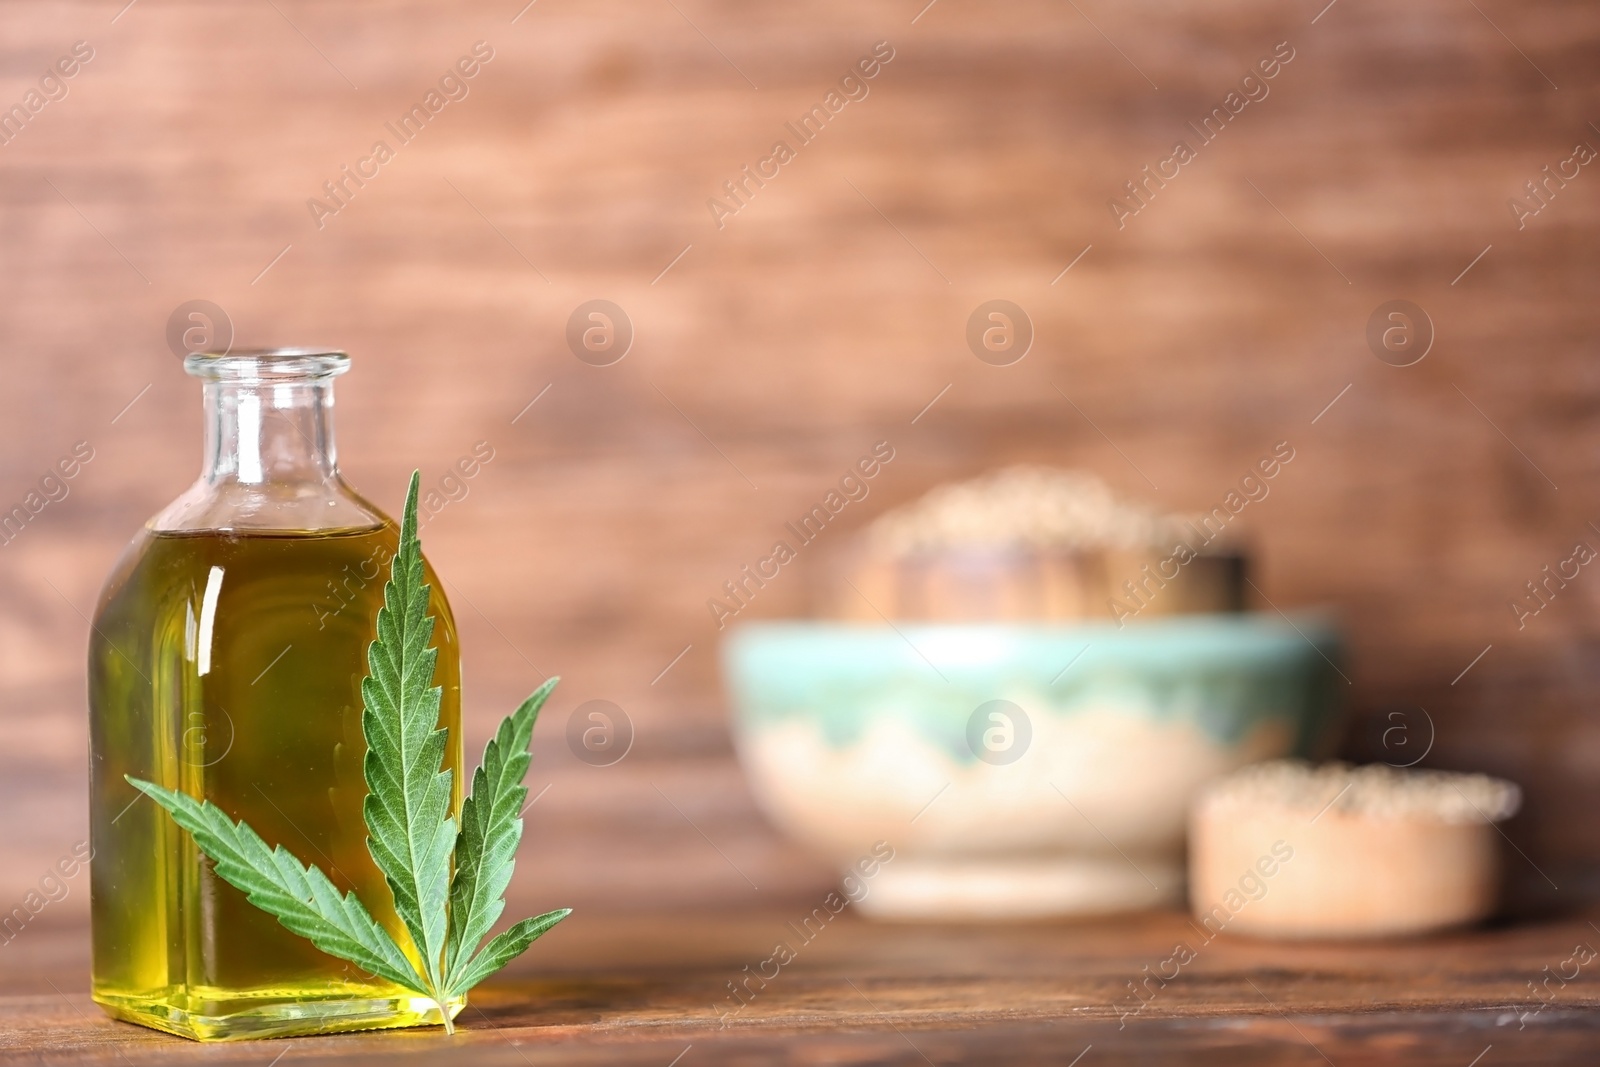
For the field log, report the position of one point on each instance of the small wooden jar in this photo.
(1286, 849)
(1033, 544)
(1022, 583)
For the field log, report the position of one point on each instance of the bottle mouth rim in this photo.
(267, 364)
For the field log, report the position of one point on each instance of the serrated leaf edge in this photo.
(505, 947)
(491, 829)
(300, 896)
(409, 832)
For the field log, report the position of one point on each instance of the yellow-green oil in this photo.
(229, 665)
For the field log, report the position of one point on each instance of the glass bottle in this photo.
(226, 660)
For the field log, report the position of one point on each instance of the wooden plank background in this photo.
(1222, 318)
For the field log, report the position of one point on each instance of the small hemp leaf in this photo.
(410, 833)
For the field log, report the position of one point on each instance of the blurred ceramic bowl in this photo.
(1017, 770)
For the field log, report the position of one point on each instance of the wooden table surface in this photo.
(652, 990)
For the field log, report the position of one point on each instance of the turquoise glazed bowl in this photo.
(1017, 770)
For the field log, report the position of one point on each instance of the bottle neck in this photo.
(269, 432)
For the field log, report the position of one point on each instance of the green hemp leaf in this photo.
(410, 833)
